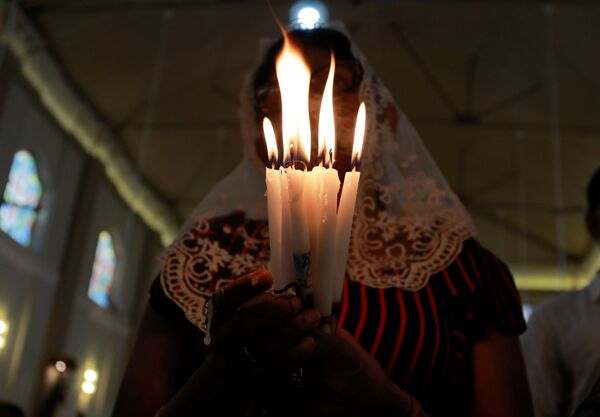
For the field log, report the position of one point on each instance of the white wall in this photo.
(43, 288)
(99, 338)
(28, 276)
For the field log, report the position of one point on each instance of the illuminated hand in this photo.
(251, 325)
(253, 334)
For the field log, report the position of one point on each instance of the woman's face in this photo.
(348, 76)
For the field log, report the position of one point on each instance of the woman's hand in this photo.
(251, 331)
(343, 379)
(252, 326)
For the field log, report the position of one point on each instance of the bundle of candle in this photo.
(309, 233)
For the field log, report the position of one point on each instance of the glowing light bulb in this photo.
(3, 327)
(308, 14)
(88, 387)
(60, 366)
(90, 375)
(309, 17)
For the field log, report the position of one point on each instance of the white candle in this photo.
(347, 204)
(273, 180)
(293, 76)
(299, 236)
(311, 206)
(328, 186)
(304, 220)
(344, 227)
(325, 264)
(287, 259)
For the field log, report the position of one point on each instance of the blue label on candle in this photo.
(302, 266)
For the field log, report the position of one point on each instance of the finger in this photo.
(342, 333)
(330, 346)
(294, 356)
(353, 345)
(256, 320)
(260, 298)
(243, 289)
(326, 344)
(292, 331)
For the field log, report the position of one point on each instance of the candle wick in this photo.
(300, 164)
(292, 155)
(354, 161)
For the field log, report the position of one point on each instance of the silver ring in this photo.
(248, 355)
(297, 378)
(218, 297)
(211, 308)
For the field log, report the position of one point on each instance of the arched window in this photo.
(21, 198)
(103, 271)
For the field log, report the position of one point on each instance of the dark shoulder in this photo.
(484, 262)
(472, 247)
(482, 287)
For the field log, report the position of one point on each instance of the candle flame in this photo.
(359, 135)
(293, 75)
(271, 141)
(326, 120)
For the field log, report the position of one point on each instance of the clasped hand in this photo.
(259, 339)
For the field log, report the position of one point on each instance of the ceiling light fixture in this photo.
(308, 15)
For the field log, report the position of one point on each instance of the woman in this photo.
(429, 319)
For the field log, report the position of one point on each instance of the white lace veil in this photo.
(408, 223)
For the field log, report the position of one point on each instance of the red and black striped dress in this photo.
(422, 339)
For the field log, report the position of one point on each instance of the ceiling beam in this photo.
(126, 6)
(504, 223)
(427, 72)
(512, 126)
(77, 118)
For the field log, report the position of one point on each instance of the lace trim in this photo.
(197, 264)
(408, 228)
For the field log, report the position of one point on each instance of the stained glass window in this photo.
(21, 199)
(103, 271)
